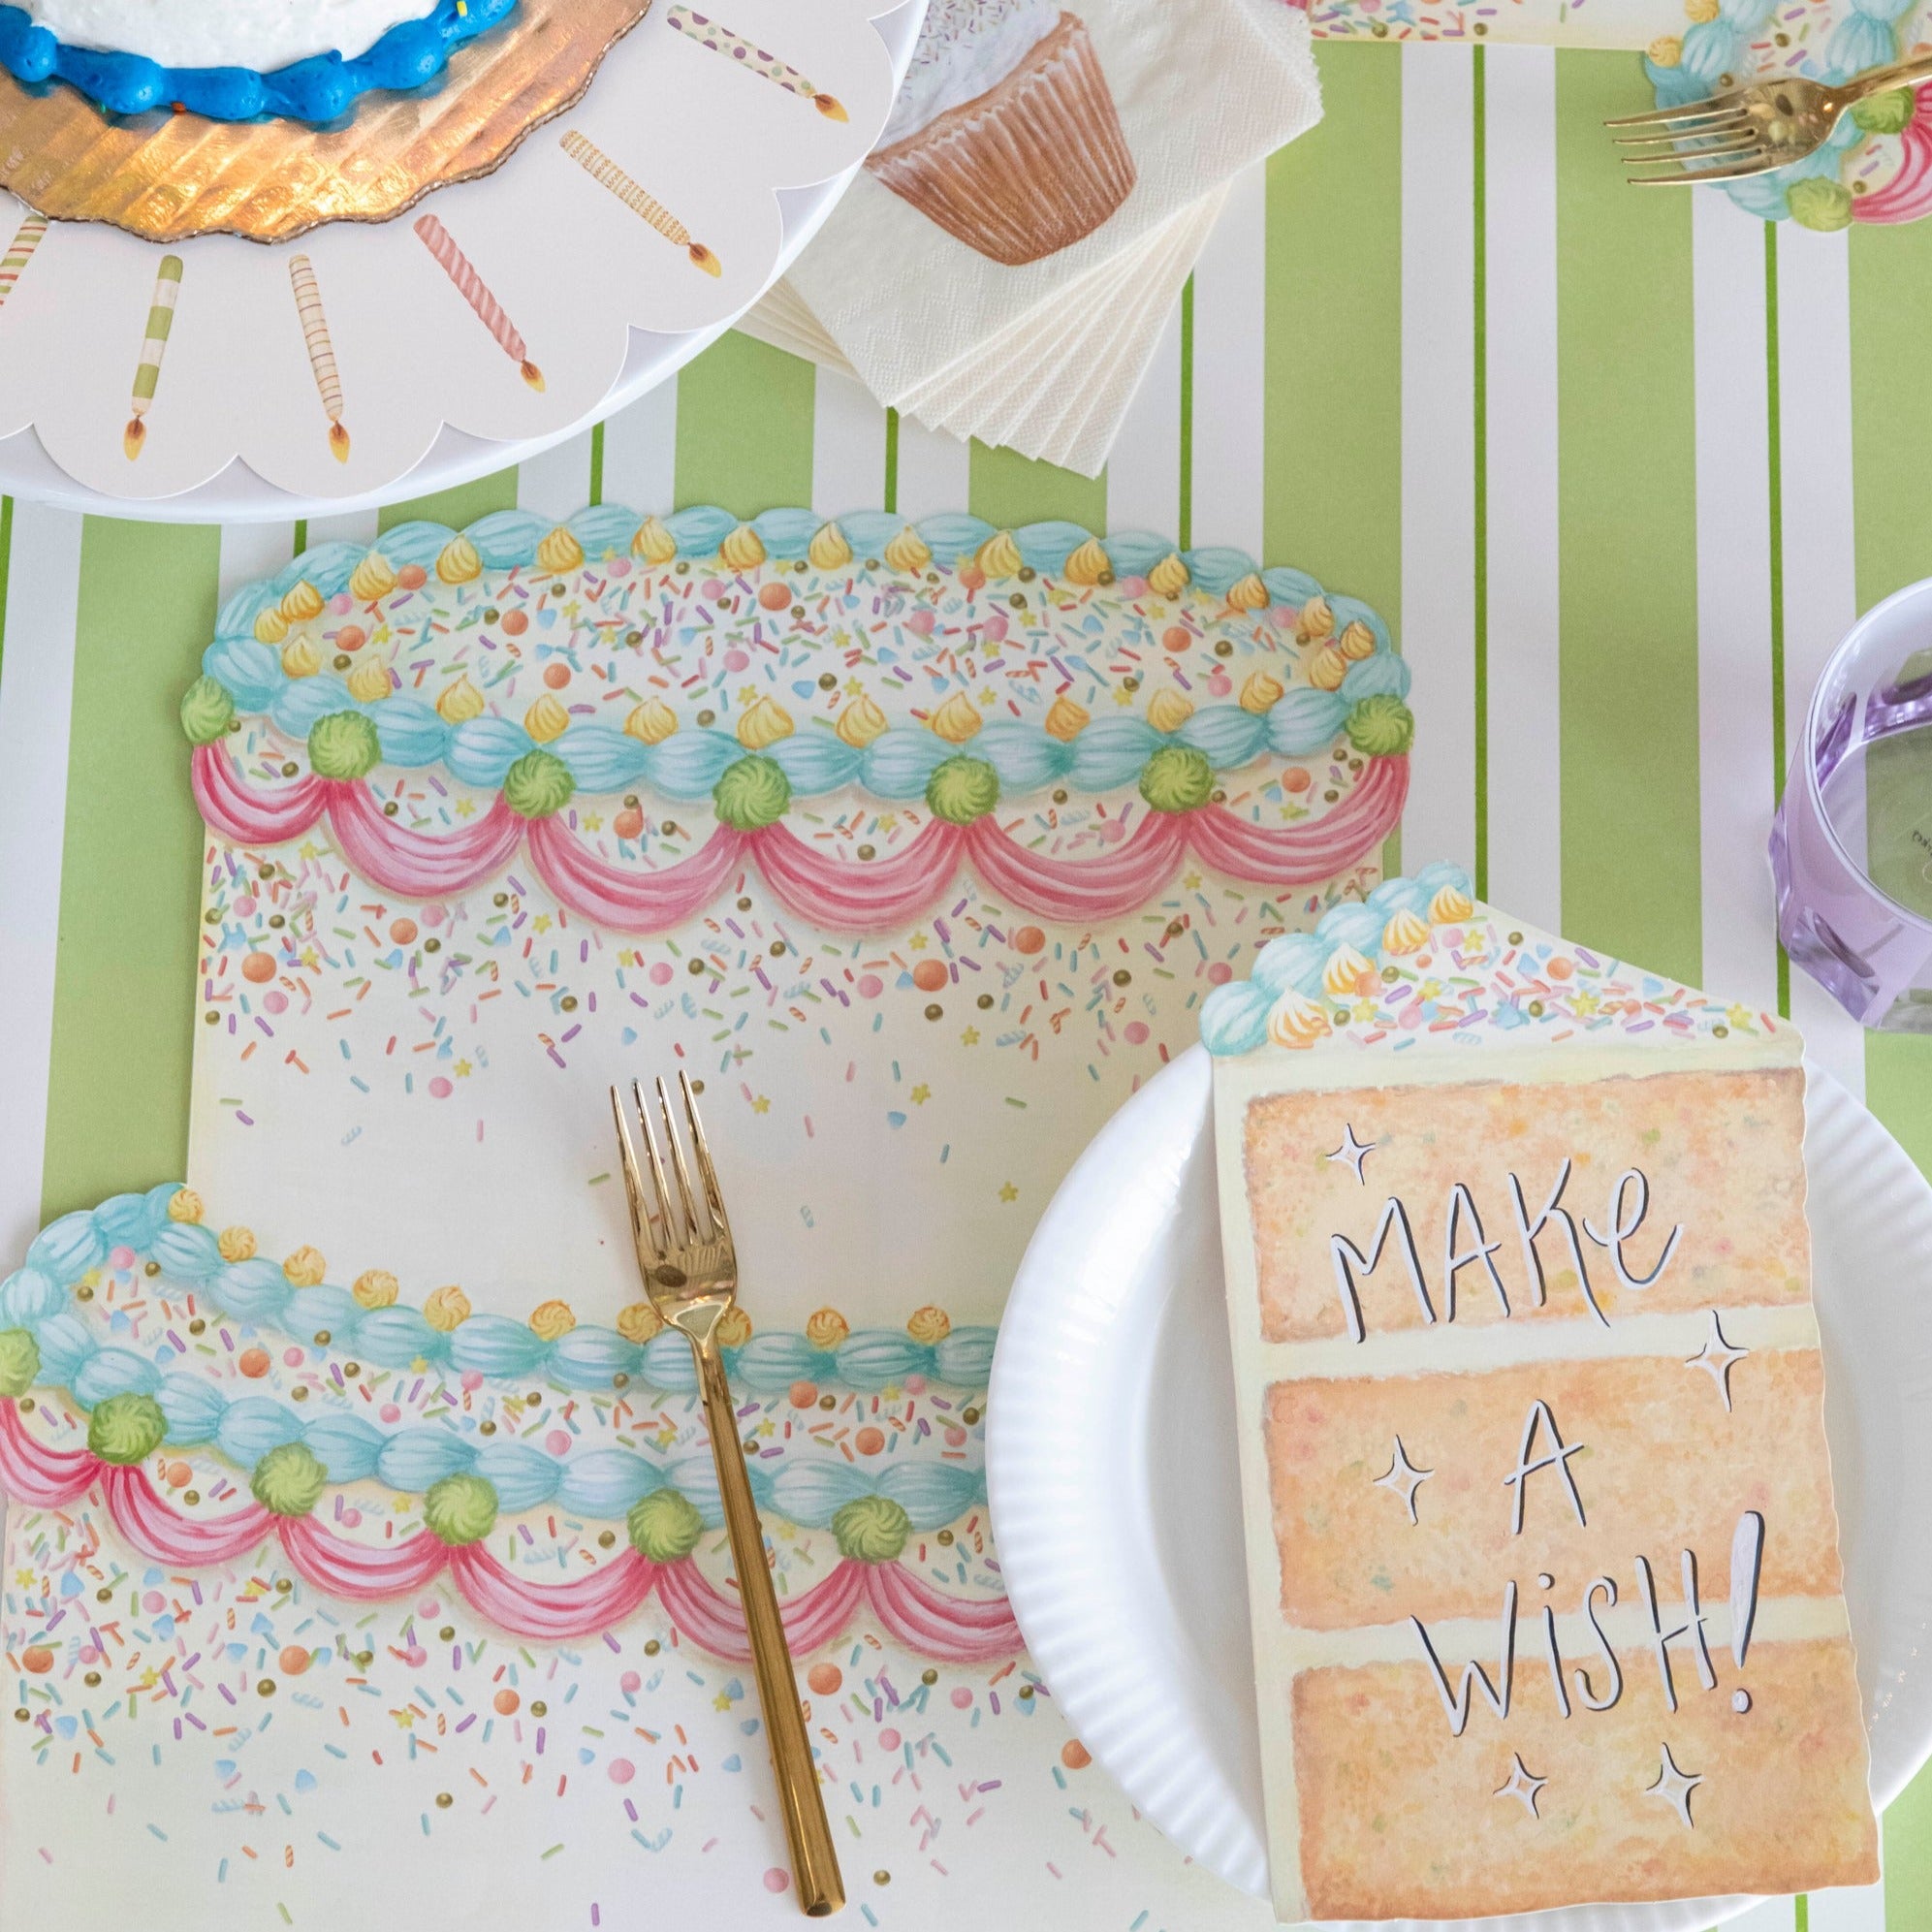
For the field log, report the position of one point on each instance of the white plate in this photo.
(239, 495)
(1111, 1468)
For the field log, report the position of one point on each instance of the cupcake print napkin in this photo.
(1005, 263)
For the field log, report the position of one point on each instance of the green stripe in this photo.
(160, 322)
(1009, 489)
(146, 376)
(5, 567)
(130, 882)
(1627, 582)
(1774, 421)
(889, 501)
(597, 463)
(1331, 464)
(457, 507)
(1892, 421)
(1480, 444)
(745, 428)
(301, 536)
(1185, 515)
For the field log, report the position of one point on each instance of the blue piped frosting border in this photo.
(320, 89)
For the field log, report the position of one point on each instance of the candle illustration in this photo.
(20, 252)
(321, 351)
(153, 346)
(601, 168)
(754, 59)
(476, 292)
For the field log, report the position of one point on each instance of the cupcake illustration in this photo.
(1005, 133)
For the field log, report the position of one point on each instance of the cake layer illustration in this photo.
(1542, 1554)
(1006, 131)
(916, 846)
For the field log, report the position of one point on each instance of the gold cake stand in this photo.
(168, 178)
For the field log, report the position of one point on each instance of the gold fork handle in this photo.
(1913, 73)
(814, 1863)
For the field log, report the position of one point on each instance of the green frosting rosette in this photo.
(1380, 727)
(871, 1529)
(961, 789)
(751, 793)
(538, 785)
(343, 746)
(461, 1509)
(1820, 203)
(289, 1480)
(1177, 778)
(20, 1361)
(664, 1525)
(126, 1429)
(207, 710)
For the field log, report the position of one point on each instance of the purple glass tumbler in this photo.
(1852, 841)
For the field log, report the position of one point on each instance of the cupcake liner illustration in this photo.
(1005, 132)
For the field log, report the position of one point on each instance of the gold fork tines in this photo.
(689, 1267)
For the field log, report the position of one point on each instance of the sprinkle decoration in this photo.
(472, 286)
(602, 170)
(153, 346)
(321, 351)
(755, 60)
(20, 252)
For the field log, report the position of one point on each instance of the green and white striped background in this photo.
(1620, 468)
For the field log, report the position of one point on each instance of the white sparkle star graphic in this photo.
(1404, 1478)
(1353, 1151)
(1674, 1786)
(1522, 1782)
(1716, 1357)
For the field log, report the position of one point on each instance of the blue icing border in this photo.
(322, 88)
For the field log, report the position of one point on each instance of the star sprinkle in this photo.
(1353, 1151)
(1716, 1357)
(1674, 1786)
(1404, 1480)
(1522, 1784)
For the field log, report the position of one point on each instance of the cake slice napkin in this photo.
(1005, 263)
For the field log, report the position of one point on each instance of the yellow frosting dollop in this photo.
(828, 549)
(369, 682)
(460, 702)
(271, 626)
(1090, 564)
(827, 1328)
(184, 1205)
(1167, 709)
(741, 549)
(1000, 556)
(235, 1244)
(560, 551)
(1450, 907)
(1169, 576)
(1700, 10)
(373, 579)
(860, 723)
(1248, 593)
(652, 721)
(1295, 1021)
(1327, 667)
(653, 542)
(300, 601)
(763, 723)
(458, 561)
(734, 1328)
(447, 1309)
(1261, 692)
(957, 719)
(546, 720)
(1356, 642)
(552, 1319)
(929, 1326)
(301, 658)
(1406, 933)
(639, 1322)
(305, 1267)
(1665, 51)
(376, 1287)
(908, 554)
(1317, 620)
(1342, 977)
(1065, 720)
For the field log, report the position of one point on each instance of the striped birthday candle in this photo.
(20, 252)
(153, 346)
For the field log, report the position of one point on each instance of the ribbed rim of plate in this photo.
(1052, 1545)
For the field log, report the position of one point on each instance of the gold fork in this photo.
(689, 1266)
(1749, 130)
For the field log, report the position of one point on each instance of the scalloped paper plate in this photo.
(1111, 1469)
(586, 234)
